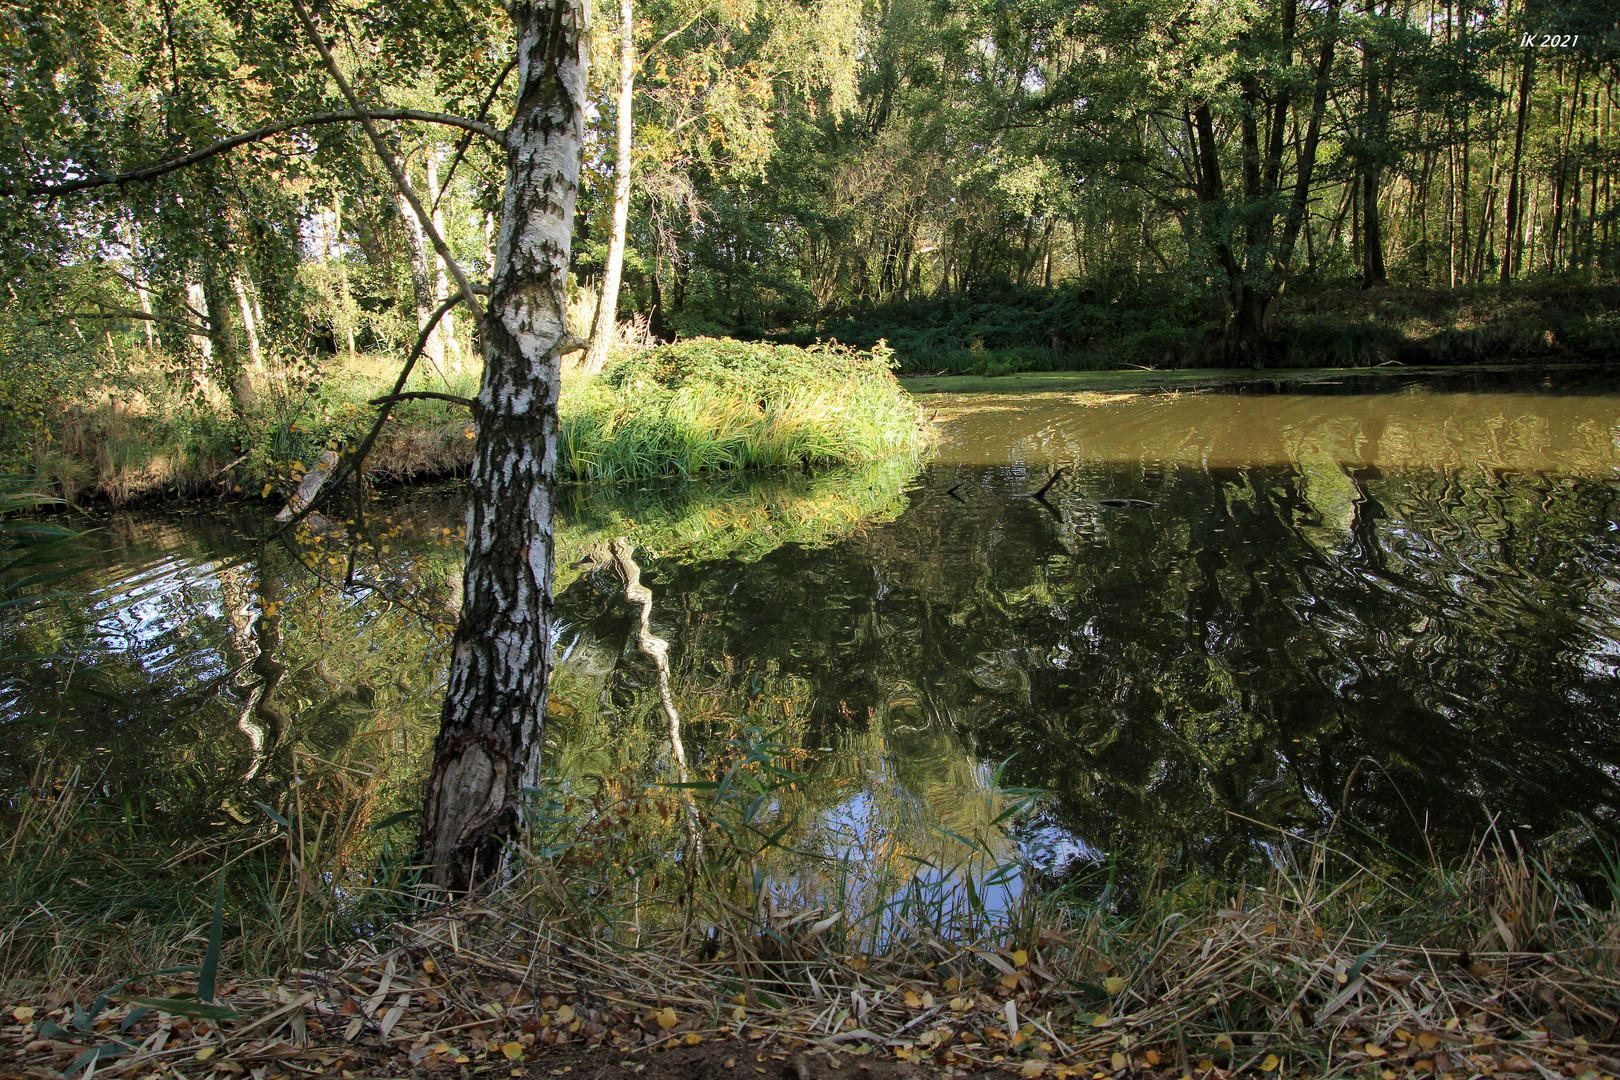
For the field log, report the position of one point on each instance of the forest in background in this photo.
(988, 186)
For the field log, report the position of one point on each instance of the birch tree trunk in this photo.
(490, 735)
(445, 332)
(421, 260)
(607, 309)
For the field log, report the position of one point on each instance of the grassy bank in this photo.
(603, 941)
(699, 406)
(713, 404)
(1009, 329)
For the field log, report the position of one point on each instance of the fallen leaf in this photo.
(429, 966)
(205, 1053)
(23, 1013)
(1270, 1064)
(512, 1050)
(1033, 1069)
(565, 1015)
(666, 1018)
(1428, 1040)
(1020, 958)
(1113, 984)
(1376, 1051)
(912, 1000)
(739, 1013)
(1152, 1057)
(1118, 1061)
(693, 1038)
(1223, 1043)
(1010, 980)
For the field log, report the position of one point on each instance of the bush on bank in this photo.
(714, 404)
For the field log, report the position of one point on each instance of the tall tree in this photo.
(607, 308)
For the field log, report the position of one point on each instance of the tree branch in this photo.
(159, 168)
(466, 140)
(353, 462)
(388, 160)
(412, 395)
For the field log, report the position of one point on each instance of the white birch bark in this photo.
(490, 737)
(607, 309)
(445, 332)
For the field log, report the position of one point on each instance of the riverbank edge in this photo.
(784, 407)
(1488, 968)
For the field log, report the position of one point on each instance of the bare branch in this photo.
(412, 395)
(159, 168)
(388, 159)
(353, 462)
(466, 140)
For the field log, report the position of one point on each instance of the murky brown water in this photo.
(1232, 616)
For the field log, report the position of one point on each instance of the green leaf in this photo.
(387, 822)
(183, 1006)
(216, 931)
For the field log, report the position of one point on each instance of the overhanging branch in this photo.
(159, 168)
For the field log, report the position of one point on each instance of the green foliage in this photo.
(710, 405)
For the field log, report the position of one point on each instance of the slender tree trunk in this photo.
(335, 253)
(446, 330)
(250, 325)
(421, 259)
(607, 308)
(490, 737)
(1511, 239)
(1372, 232)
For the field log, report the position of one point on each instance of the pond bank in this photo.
(1323, 969)
(703, 405)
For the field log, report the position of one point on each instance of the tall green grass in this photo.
(711, 405)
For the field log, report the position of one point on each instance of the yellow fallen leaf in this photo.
(429, 966)
(693, 1038)
(1118, 1061)
(1223, 1043)
(1033, 1069)
(928, 1000)
(1206, 1064)
(739, 1013)
(512, 1050)
(740, 999)
(1020, 958)
(912, 1000)
(1010, 980)
(1271, 1063)
(205, 1053)
(1376, 1051)
(1428, 1040)
(960, 1004)
(666, 1018)
(23, 1013)
(1152, 1057)
(565, 1015)
(1113, 984)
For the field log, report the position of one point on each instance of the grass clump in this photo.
(711, 405)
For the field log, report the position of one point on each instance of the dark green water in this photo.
(1233, 616)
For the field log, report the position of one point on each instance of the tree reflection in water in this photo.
(1247, 614)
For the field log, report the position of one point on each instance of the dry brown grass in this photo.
(1491, 968)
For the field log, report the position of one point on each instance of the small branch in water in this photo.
(1041, 494)
(409, 395)
(954, 489)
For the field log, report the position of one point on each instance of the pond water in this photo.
(1390, 604)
